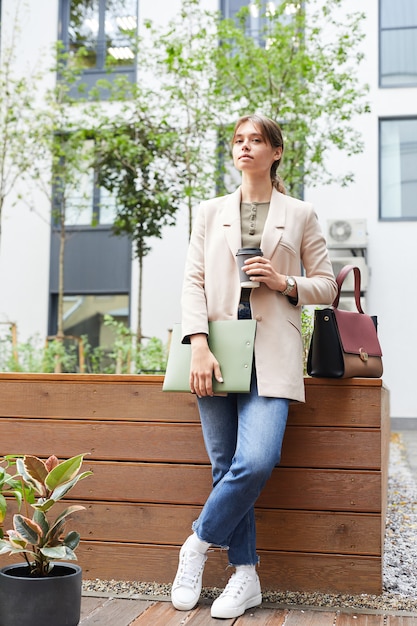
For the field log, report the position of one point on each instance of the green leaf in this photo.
(3, 508)
(57, 552)
(27, 529)
(64, 472)
(72, 540)
(62, 490)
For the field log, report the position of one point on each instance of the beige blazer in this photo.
(292, 239)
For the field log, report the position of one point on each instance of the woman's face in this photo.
(251, 152)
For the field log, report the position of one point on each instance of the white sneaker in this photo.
(186, 587)
(243, 591)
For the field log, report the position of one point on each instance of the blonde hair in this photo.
(272, 133)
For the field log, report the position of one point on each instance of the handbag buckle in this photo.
(363, 355)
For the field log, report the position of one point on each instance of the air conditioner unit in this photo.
(348, 233)
(349, 283)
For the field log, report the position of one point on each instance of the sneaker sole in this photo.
(180, 606)
(237, 610)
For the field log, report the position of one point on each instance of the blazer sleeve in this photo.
(193, 299)
(318, 284)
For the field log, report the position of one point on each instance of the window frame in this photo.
(381, 217)
(89, 76)
(380, 31)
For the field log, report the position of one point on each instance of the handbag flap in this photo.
(357, 333)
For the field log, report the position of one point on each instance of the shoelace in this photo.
(191, 566)
(236, 584)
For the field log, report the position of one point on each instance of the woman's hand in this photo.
(203, 366)
(260, 269)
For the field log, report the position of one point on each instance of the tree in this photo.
(301, 70)
(61, 156)
(184, 66)
(132, 163)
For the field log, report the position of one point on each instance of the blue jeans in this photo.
(243, 434)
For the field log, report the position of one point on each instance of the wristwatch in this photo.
(290, 286)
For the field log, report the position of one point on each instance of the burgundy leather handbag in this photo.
(345, 344)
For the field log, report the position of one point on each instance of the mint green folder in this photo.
(232, 343)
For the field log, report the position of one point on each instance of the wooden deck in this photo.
(122, 612)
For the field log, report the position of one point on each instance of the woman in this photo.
(243, 432)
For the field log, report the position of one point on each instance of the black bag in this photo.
(345, 344)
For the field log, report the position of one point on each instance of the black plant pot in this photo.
(51, 601)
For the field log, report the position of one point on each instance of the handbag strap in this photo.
(341, 277)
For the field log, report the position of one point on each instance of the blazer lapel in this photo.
(231, 221)
(274, 224)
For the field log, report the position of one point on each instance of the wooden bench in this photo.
(320, 518)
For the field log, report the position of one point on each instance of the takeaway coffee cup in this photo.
(242, 254)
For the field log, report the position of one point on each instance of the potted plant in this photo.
(41, 591)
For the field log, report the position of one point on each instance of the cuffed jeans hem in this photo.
(215, 545)
(245, 564)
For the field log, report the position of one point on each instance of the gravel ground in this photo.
(400, 563)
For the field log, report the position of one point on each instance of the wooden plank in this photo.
(307, 617)
(284, 530)
(164, 614)
(260, 616)
(288, 488)
(144, 441)
(306, 446)
(339, 403)
(280, 571)
(115, 611)
(94, 398)
(90, 605)
(183, 443)
(330, 532)
(329, 402)
(355, 619)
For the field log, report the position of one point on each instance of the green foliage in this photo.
(124, 356)
(152, 357)
(302, 71)
(129, 155)
(188, 96)
(132, 149)
(9, 486)
(307, 325)
(41, 484)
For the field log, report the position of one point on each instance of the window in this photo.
(84, 315)
(398, 43)
(105, 30)
(398, 169)
(256, 23)
(87, 204)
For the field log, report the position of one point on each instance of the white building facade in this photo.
(375, 217)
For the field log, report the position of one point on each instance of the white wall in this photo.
(25, 244)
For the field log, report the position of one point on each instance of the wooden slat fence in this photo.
(320, 518)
